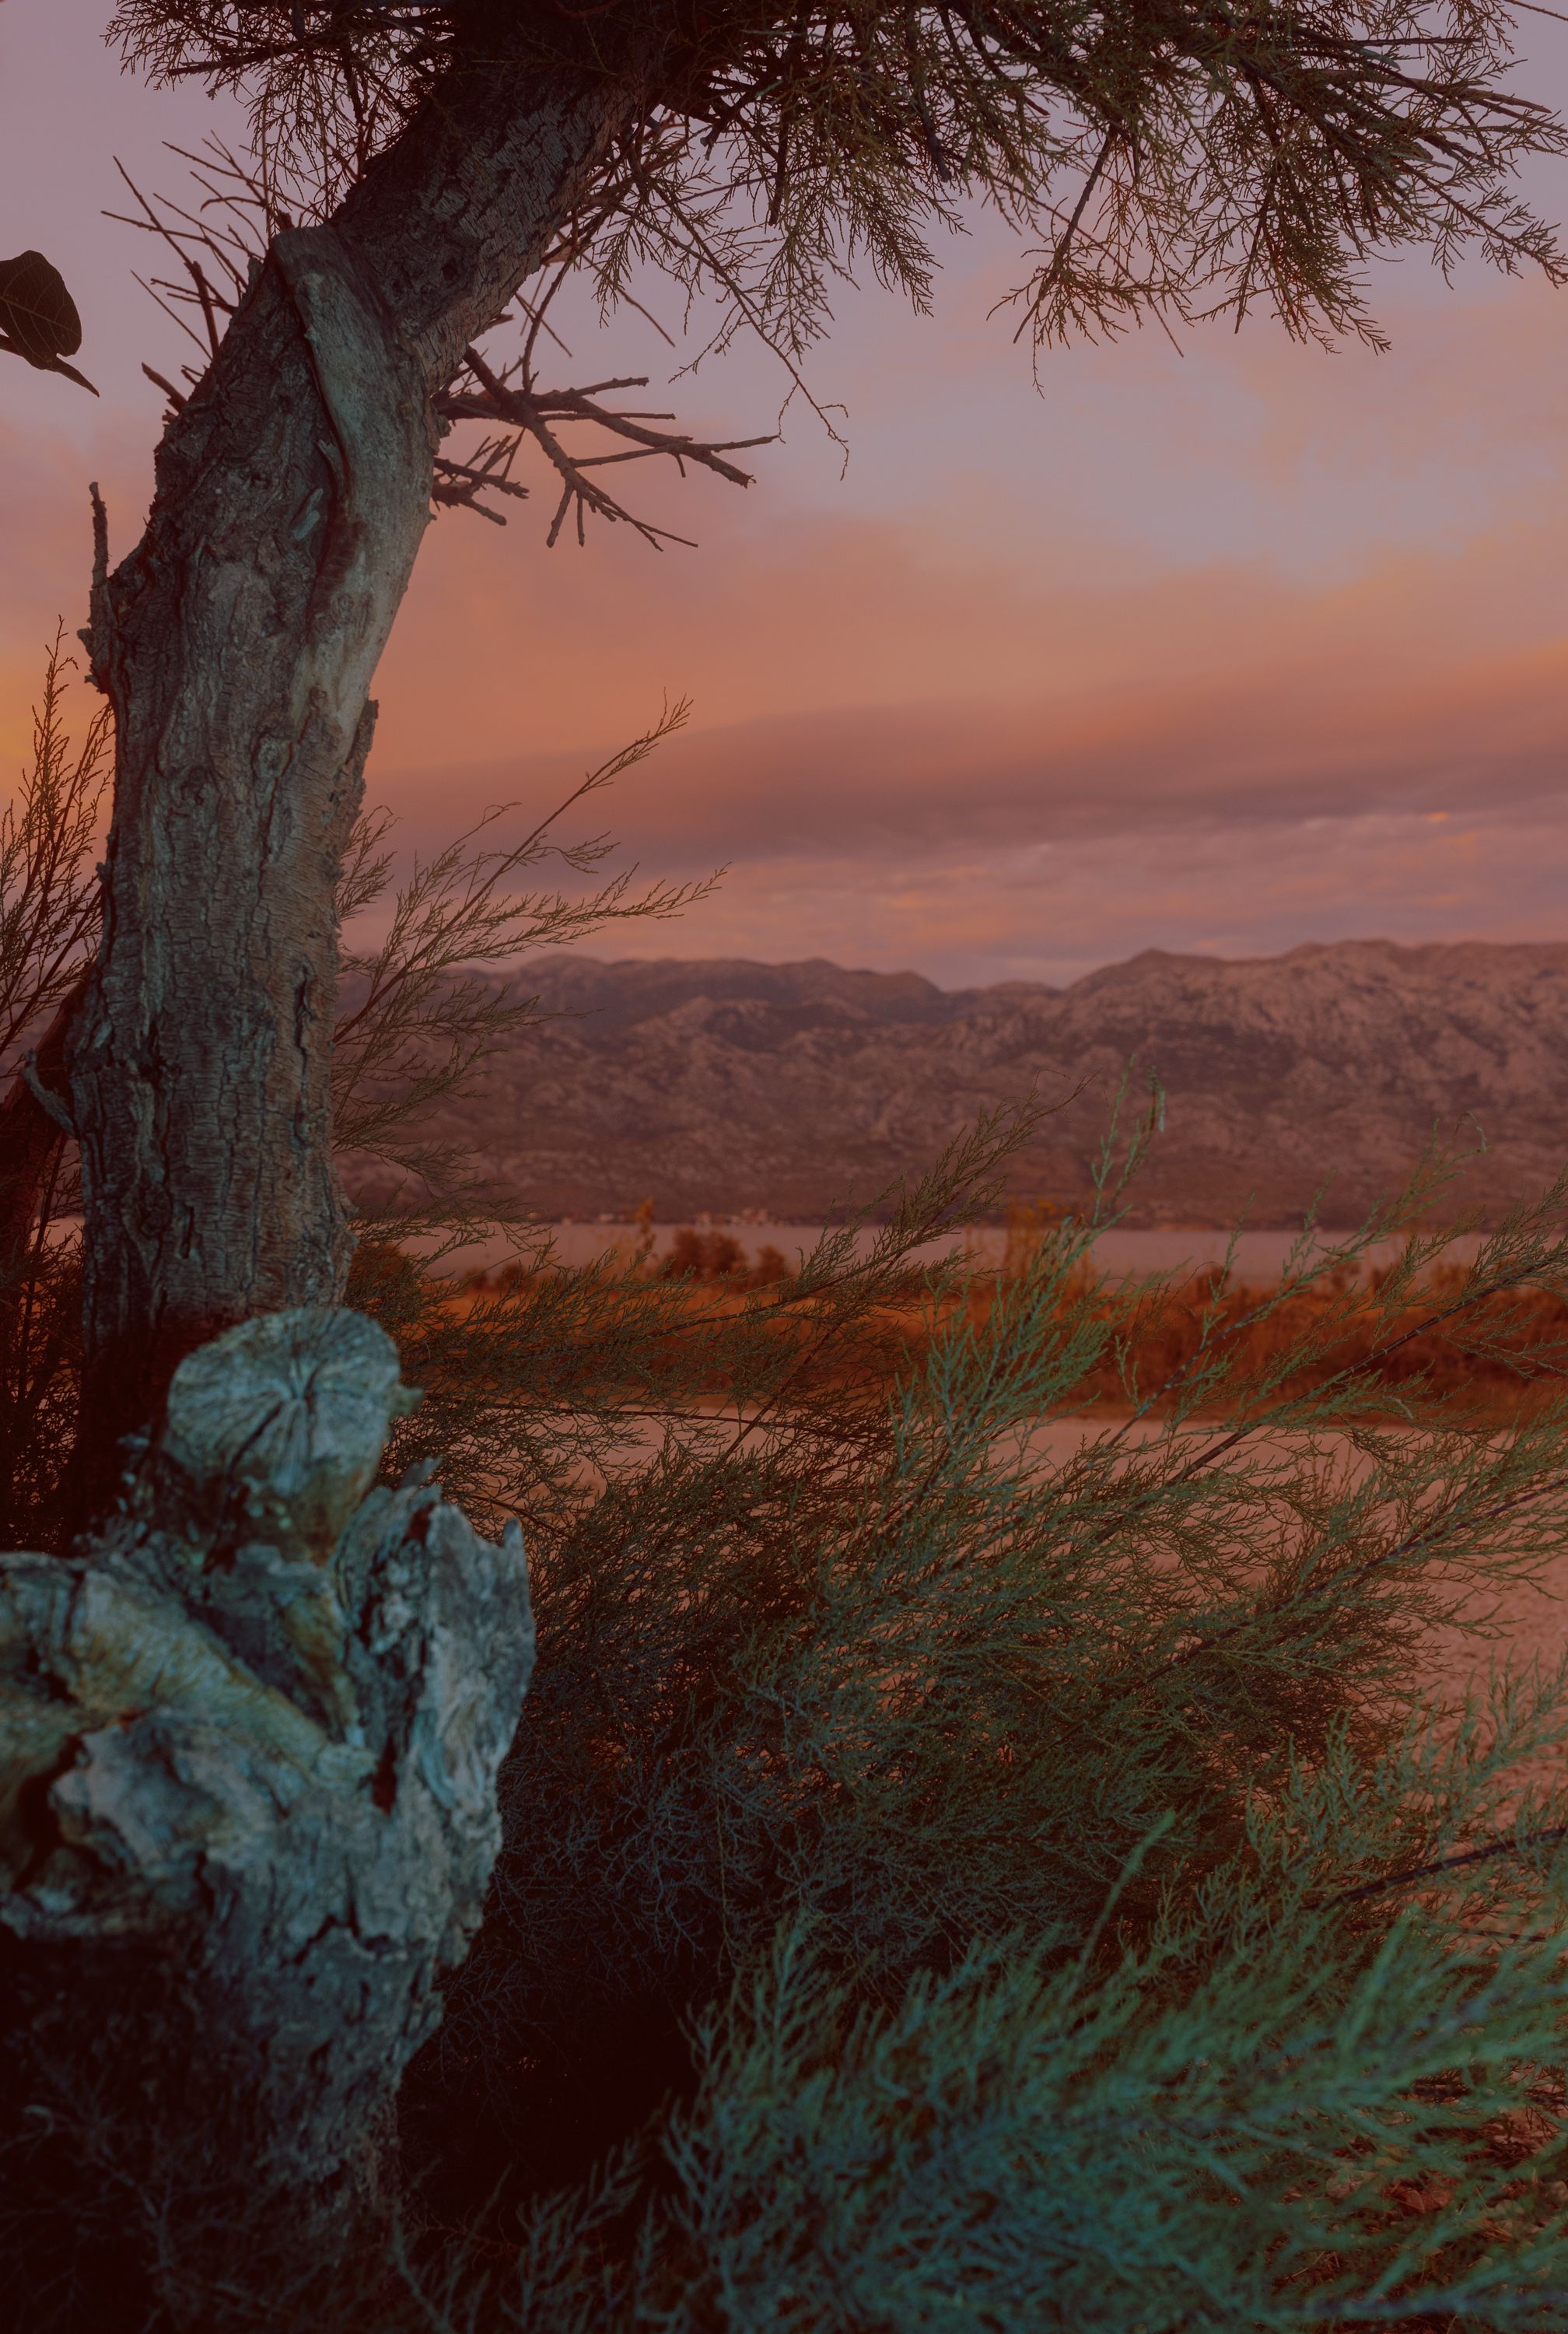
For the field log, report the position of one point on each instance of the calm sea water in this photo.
(1257, 1256)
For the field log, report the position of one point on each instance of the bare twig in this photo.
(424, 1010)
(217, 243)
(508, 400)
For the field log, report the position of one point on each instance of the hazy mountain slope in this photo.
(727, 1084)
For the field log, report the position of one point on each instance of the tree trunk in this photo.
(248, 1812)
(238, 644)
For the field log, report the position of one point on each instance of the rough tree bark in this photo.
(253, 1723)
(238, 644)
(253, 1731)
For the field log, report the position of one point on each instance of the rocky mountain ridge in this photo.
(725, 1085)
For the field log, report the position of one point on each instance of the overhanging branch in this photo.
(508, 401)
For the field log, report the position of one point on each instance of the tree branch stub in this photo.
(253, 1731)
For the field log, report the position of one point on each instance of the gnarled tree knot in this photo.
(252, 1730)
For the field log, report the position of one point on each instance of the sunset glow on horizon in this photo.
(1224, 649)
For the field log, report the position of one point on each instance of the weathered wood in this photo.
(252, 1734)
(238, 644)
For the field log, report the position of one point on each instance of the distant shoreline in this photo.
(1257, 1256)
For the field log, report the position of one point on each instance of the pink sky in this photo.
(1221, 650)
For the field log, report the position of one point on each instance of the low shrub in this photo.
(946, 1883)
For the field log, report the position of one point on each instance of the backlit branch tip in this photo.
(508, 401)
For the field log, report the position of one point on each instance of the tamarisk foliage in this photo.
(938, 1867)
(1166, 162)
(937, 1864)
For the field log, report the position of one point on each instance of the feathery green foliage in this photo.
(947, 1882)
(955, 1877)
(1017, 2144)
(1169, 161)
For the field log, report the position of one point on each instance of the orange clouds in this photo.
(911, 753)
(1232, 650)
(961, 765)
(989, 704)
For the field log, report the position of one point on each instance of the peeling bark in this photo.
(253, 1730)
(237, 643)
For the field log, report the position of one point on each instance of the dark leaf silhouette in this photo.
(38, 318)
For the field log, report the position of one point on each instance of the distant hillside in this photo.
(727, 1085)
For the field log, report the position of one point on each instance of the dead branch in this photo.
(219, 243)
(508, 400)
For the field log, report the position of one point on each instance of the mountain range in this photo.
(725, 1085)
